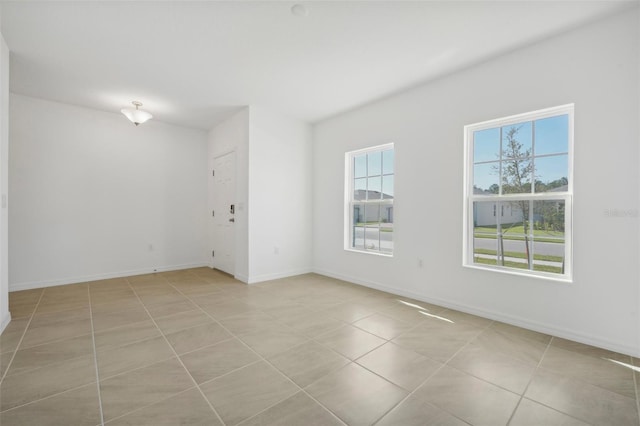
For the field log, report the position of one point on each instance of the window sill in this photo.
(374, 253)
(510, 271)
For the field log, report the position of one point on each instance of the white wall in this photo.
(94, 196)
(233, 135)
(596, 67)
(5, 315)
(273, 192)
(280, 214)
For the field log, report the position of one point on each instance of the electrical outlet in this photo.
(420, 263)
(150, 247)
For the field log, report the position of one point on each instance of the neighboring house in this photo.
(562, 188)
(486, 213)
(369, 215)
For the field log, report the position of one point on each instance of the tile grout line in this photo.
(354, 361)
(231, 371)
(580, 380)
(47, 397)
(45, 366)
(95, 357)
(352, 324)
(233, 295)
(263, 359)
(24, 333)
(478, 377)
(350, 361)
(570, 378)
(133, 369)
(260, 359)
(526, 388)
(49, 342)
(444, 364)
(15, 352)
(173, 349)
(150, 404)
(310, 339)
(50, 365)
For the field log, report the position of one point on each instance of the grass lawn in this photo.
(519, 255)
(518, 265)
(382, 228)
(515, 232)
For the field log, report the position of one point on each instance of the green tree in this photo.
(517, 169)
(550, 216)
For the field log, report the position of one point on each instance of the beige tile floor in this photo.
(196, 347)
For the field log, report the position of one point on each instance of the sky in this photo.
(548, 143)
(368, 168)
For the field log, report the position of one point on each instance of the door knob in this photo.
(232, 220)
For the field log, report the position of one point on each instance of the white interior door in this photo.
(223, 215)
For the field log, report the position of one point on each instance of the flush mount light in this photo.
(136, 116)
(299, 10)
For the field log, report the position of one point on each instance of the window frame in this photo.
(350, 202)
(567, 196)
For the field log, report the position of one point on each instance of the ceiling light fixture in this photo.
(136, 116)
(299, 10)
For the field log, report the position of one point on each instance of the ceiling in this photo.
(193, 63)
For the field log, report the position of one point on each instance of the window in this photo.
(518, 194)
(369, 200)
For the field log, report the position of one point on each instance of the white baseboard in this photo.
(549, 329)
(268, 277)
(243, 278)
(5, 322)
(105, 276)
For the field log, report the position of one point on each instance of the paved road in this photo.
(382, 239)
(553, 249)
(386, 242)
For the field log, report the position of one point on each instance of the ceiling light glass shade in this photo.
(136, 116)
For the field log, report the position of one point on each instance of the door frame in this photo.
(212, 230)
